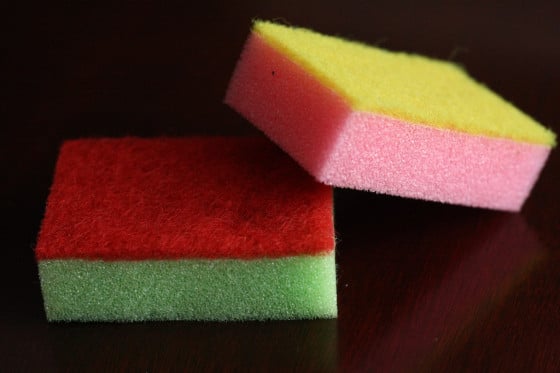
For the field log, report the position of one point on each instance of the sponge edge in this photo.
(220, 290)
(343, 147)
(440, 165)
(185, 229)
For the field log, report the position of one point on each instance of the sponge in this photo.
(361, 117)
(193, 229)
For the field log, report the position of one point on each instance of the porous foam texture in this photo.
(194, 228)
(361, 117)
(218, 289)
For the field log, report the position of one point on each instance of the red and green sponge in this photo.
(185, 229)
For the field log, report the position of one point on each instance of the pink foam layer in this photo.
(285, 102)
(366, 151)
(388, 155)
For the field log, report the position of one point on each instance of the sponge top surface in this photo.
(402, 85)
(131, 198)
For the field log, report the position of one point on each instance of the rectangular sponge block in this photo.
(185, 229)
(361, 117)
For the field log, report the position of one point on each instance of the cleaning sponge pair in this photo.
(231, 229)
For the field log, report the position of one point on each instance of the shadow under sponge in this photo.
(185, 229)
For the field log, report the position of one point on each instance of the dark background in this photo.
(422, 286)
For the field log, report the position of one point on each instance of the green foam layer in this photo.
(226, 289)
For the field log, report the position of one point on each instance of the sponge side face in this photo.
(375, 153)
(273, 92)
(281, 288)
(405, 86)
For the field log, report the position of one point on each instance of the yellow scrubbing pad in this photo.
(406, 86)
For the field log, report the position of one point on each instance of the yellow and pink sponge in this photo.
(362, 117)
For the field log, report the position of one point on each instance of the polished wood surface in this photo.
(422, 286)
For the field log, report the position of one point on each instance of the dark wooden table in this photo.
(422, 286)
